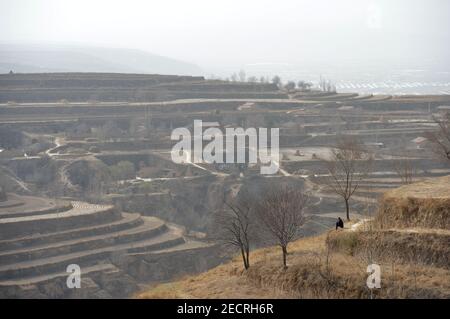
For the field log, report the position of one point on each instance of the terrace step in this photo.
(173, 237)
(187, 245)
(82, 214)
(18, 211)
(101, 268)
(59, 263)
(129, 220)
(150, 228)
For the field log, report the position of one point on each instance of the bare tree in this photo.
(242, 75)
(281, 211)
(234, 226)
(290, 86)
(304, 86)
(441, 138)
(326, 85)
(405, 169)
(347, 166)
(276, 80)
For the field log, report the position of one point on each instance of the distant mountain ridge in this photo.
(47, 58)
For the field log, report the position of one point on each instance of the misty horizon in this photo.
(228, 156)
(350, 41)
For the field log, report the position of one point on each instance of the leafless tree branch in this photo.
(348, 165)
(281, 211)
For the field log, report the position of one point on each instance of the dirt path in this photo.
(13, 176)
(360, 224)
(310, 186)
(363, 225)
(189, 161)
(58, 144)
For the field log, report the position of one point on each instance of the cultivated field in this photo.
(86, 177)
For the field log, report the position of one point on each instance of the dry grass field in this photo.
(414, 259)
(309, 275)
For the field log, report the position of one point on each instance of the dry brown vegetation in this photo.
(425, 204)
(314, 272)
(430, 188)
(413, 246)
(412, 249)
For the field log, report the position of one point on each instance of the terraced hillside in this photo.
(411, 247)
(106, 139)
(83, 87)
(39, 238)
(412, 224)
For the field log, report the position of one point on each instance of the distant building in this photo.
(346, 108)
(419, 141)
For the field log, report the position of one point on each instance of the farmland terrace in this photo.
(114, 250)
(85, 163)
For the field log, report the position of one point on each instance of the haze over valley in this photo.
(136, 137)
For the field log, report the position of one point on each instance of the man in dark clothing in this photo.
(339, 223)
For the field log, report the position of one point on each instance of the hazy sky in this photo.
(239, 32)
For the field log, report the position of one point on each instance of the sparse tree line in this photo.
(279, 212)
(241, 76)
(276, 216)
(326, 85)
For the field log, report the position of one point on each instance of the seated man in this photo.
(339, 223)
